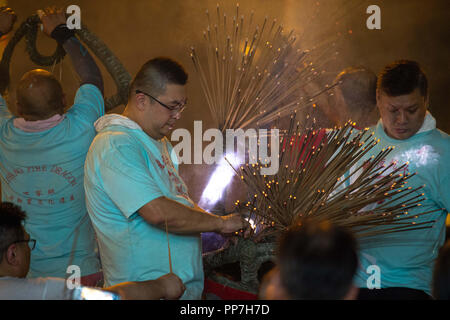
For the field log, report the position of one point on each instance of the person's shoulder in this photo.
(10, 279)
(434, 145)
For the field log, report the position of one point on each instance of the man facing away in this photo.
(134, 192)
(405, 259)
(315, 261)
(15, 250)
(42, 154)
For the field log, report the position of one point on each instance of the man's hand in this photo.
(172, 286)
(232, 223)
(7, 19)
(51, 18)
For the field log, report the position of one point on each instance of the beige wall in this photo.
(140, 29)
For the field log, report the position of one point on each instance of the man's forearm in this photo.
(180, 219)
(145, 290)
(83, 63)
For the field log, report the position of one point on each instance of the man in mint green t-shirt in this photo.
(42, 154)
(133, 189)
(400, 265)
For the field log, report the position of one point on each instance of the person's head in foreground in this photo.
(316, 261)
(157, 96)
(441, 274)
(15, 242)
(402, 98)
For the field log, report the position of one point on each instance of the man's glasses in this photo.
(31, 243)
(174, 110)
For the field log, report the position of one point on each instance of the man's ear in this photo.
(12, 256)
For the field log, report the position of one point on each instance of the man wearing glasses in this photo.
(134, 193)
(15, 251)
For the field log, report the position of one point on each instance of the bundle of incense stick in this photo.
(250, 75)
(320, 179)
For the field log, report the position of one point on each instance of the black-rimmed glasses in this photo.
(174, 110)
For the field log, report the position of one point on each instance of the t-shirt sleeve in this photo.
(89, 104)
(4, 112)
(127, 178)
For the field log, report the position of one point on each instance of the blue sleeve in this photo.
(4, 112)
(89, 104)
(127, 179)
(444, 193)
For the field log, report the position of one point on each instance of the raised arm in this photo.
(54, 23)
(7, 20)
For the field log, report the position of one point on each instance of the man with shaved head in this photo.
(42, 154)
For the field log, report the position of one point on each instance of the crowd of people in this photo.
(103, 193)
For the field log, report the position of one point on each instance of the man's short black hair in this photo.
(11, 229)
(155, 74)
(441, 274)
(317, 261)
(402, 77)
